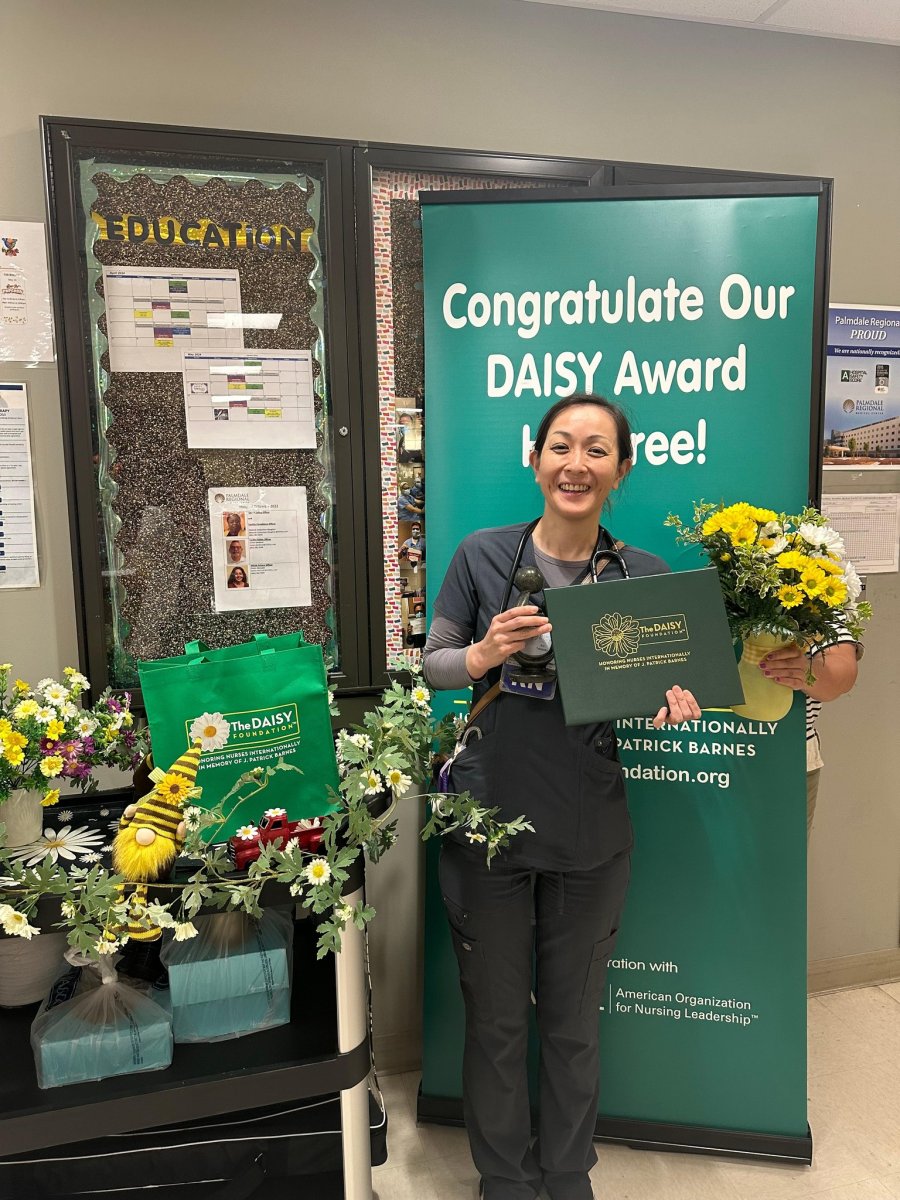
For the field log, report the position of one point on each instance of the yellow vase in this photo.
(764, 700)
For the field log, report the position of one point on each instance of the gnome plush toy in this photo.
(151, 832)
(150, 835)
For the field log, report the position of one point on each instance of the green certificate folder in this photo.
(620, 644)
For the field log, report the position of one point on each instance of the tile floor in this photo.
(854, 1107)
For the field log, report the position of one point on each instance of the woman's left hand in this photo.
(681, 707)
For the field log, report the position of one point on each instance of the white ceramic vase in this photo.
(22, 815)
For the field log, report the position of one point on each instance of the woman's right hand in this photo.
(507, 633)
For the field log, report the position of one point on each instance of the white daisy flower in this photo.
(44, 683)
(67, 844)
(67, 908)
(344, 913)
(823, 536)
(91, 856)
(211, 730)
(780, 544)
(85, 727)
(420, 696)
(374, 783)
(362, 740)
(106, 945)
(15, 923)
(246, 833)
(318, 871)
(398, 781)
(475, 837)
(107, 848)
(185, 930)
(193, 816)
(852, 582)
(275, 812)
(77, 682)
(45, 715)
(65, 814)
(56, 694)
(69, 710)
(104, 812)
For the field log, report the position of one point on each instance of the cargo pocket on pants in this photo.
(474, 973)
(596, 976)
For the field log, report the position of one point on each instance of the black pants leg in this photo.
(494, 914)
(578, 915)
(490, 913)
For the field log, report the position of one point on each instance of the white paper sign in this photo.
(252, 399)
(870, 526)
(26, 315)
(18, 542)
(154, 314)
(260, 548)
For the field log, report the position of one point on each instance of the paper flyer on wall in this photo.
(249, 399)
(260, 548)
(870, 527)
(862, 385)
(155, 314)
(18, 540)
(26, 315)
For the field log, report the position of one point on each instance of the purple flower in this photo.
(48, 746)
(87, 746)
(128, 737)
(113, 705)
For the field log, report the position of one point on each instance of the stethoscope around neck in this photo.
(602, 553)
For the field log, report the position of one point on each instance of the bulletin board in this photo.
(204, 336)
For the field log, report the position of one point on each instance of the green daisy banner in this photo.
(700, 315)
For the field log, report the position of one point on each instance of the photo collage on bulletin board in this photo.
(411, 520)
(397, 233)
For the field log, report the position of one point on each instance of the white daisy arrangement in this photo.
(379, 761)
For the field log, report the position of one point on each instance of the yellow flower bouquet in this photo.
(784, 578)
(48, 734)
(779, 574)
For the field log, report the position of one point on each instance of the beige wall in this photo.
(508, 76)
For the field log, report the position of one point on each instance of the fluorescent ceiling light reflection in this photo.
(243, 320)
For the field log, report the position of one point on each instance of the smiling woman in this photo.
(558, 890)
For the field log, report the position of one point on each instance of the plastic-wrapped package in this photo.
(233, 978)
(93, 1025)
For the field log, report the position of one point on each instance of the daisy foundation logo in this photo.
(621, 635)
(222, 734)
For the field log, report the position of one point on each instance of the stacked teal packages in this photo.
(233, 978)
(93, 1025)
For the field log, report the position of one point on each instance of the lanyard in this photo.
(609, 553)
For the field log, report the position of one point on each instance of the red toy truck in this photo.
(275, 827)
